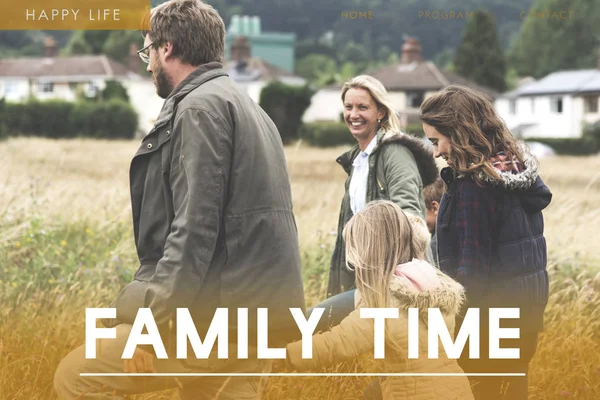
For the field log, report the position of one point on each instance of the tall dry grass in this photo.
(66, 244)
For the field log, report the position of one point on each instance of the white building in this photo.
(557, 106)
(408, 83)
(58, 77)
(64, 78)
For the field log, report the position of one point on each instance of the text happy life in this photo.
(70, 14)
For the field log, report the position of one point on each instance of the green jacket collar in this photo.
(203, 73)
(346, 159)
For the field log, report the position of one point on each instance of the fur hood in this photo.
(516, 181)
(423, 155)
(428, 169)
(448, 297)
(531, 190)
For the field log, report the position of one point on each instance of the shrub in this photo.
(286, 104)
(592, 132)
(3, 129)
(82, 117)
(62, 119)
(577, 146)
(36, 118)
(114, 90)
(414, 129)
(587, 144)
(113, 119)
(326, 134)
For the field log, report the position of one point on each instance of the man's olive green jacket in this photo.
(212, 213)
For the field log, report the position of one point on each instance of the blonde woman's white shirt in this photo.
(360, 176)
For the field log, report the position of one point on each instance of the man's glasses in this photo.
(145, 53)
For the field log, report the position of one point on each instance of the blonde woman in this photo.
(384, 164)
(386, 250)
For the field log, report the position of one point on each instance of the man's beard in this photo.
(162, 83)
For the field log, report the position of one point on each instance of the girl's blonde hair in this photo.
(377, 239)
(390, 121)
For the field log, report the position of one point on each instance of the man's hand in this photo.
(278, 366)
(141, 362)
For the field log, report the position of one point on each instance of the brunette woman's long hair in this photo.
(476, 132)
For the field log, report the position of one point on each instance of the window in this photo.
(91, 89)
(46, 87)
(556, 105)
(533, 105)
(414, 99)
(11, 88)
(591, 104)
(512, 106)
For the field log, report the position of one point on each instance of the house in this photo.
(557, 106)
(274, 48)
(255, 58)
(408, 82)
(65, 77)
(253, 73)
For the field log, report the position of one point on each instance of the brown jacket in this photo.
(355, 337)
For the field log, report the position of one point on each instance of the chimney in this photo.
(240, 49)
(134, 59)
(50, 47)
(411, 50)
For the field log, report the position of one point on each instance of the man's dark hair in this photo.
(194, 28)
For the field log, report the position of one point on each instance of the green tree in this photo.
(77, 45)
(87, 42)
(118, 44)
(286, 104)
(114, 90)
(314, 66)
(512, 79)
(480, 57)
(547, 43)
(355, 52)
(347, 71)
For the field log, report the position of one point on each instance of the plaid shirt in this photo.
(475, 224)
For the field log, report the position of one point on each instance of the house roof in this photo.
(422, 76)
(419, 76)
(574, 81)
(70, 66)
(257, 69)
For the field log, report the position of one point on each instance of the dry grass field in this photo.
(66, 244)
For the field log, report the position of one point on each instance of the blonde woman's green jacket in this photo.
(399, 167)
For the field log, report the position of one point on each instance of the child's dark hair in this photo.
(434, 192)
